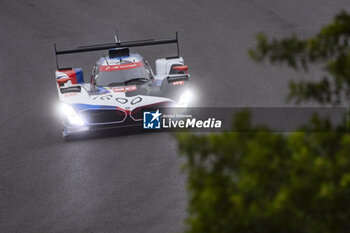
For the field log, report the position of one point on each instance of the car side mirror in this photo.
(62, 81)
(69, 76)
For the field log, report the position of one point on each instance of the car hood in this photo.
(124, 97)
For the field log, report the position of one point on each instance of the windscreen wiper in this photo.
(115, 84)
(137, 79)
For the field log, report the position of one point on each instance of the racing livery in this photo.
(121, 86)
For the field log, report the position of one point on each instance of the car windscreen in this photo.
(116, 75)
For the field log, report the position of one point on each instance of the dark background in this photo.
(132, 182)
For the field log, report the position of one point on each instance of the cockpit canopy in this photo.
(121, 71)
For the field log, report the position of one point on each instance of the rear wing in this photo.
(118, 44)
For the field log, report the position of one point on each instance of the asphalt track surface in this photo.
(125, 182)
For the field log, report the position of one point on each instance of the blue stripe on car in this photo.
(80, 107)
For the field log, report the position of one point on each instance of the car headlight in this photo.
(185, 99)
(68, 111)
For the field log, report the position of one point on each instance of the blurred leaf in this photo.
(330, 47)
(268, 182)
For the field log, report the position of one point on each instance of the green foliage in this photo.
(259, 181)
(329, 47)
(255, 181)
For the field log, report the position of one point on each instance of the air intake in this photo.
(120, 52)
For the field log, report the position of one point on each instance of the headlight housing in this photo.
(185, 99)
(73, 117)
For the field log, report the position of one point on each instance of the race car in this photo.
(121, 86)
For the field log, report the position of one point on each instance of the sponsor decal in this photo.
(125, 89)
(70, 94)
(103, 97)
(121, 67)
(106, 97)
(136, 100)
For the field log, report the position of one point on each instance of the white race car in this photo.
(122, 85)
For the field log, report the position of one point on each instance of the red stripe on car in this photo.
(121, 67)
